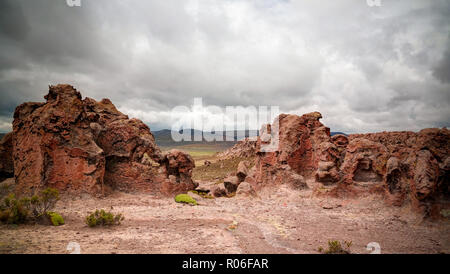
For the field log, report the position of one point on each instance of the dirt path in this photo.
(282, 221)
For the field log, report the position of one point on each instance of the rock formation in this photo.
(402, 166)
(417, 167)
(242, 149)
(85, 146)
(6, 160)
(303, 144)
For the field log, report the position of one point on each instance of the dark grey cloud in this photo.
(365, 68)
(442, 69)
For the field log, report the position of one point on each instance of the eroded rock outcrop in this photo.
(416, 168)
(78, 145)
(178, 167)
(245, 148)
(402, 166)
(303, 143)
(6, 159)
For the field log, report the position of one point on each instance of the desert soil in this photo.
(278, 221)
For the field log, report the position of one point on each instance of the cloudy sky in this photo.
(364, 68)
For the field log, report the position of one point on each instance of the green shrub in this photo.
(14, 211)
(5, 189)
(43, 203)
(202, 194)
(335, 247)
(55, 218)
(20, 211)
(103, 218)
(186, 199)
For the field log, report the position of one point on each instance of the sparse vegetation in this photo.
(335, 247)
(43, 203)
(19, 211)
(55, 218)
(201, 151)
(5, 189)
(14, 211)
(186, 199)
(103, 218)
(218, 170)
(202, 194)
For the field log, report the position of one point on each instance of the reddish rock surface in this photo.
(417, 168)
(364, 165)
(243, 149)
(6, 160)
(402, 166)
(79, 146)
(304, 142)
(178, 166)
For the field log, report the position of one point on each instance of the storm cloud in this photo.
(364, 68)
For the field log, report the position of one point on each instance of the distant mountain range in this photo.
(164, 137)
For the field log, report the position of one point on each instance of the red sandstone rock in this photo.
(178, 166)
(242, 170)
(219, 191)
(231, 184)
(365, 161)
(54, 146)
(340, 140)
(245, 189)
(6, 160)
(245, 148)
(303, 142)
(416, 170)
(405, 166)
(79, 146)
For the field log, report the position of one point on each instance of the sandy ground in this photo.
(281, 221)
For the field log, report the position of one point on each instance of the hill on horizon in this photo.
(164, 137)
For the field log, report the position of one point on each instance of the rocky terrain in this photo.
(391, 187)
(280, 221)
(401, 167)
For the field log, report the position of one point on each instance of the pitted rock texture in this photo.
(243, 149)
(405, 167)
(178, 167)
(417, 169)
(6, 160)
(85, 146)
(303, 143)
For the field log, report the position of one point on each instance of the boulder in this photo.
(231, 184)
(178, 166)
(242, 170)
(296, 180)
(245, 189)
(218, 191)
